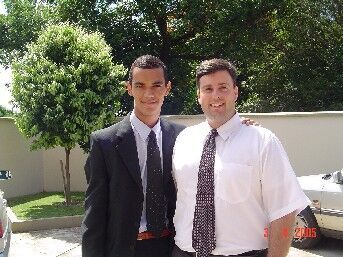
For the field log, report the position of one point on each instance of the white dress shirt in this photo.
(254, 185)
(142, 131)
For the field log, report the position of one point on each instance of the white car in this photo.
(324, 217)
(5, 223)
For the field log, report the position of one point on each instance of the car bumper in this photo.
(7, 241)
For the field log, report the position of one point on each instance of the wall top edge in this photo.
(270, 114)
(7, 118)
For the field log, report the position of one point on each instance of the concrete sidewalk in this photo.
(47, 243)
(67, 243)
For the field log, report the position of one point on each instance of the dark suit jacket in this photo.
(114, 197)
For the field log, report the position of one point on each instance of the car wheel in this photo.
(306, 231)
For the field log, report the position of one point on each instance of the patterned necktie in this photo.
(155, 204)
(203, 234)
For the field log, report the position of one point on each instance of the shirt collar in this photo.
(142, 129)
(228, 128)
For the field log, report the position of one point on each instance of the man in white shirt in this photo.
(237, 195)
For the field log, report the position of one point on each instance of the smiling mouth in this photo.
(150, 103)
(217, 105)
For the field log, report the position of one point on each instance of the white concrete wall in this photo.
(52, 170)
(313, 142)
(15, 155)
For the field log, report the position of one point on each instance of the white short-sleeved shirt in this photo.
(254, 185)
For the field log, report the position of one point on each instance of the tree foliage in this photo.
(4, 112)
(300, 69)
(289, 52)
(66, 86)
(20, 26)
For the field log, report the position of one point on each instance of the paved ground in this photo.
(47, 243)
(66, 243)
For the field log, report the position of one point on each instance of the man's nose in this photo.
(216, 94)
(149, 92)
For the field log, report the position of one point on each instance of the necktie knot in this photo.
(213, 132)
(152, 135)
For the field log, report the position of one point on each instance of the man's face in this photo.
(148, 89)
(217, 96)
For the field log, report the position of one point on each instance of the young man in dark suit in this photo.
(130, 199)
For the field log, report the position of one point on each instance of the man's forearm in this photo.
(280, 236)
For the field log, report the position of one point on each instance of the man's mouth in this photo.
(217, 105)
(150, 102)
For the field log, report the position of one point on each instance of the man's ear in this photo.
(236, 92)
(128, 87)
(198, 95)
(168, 86)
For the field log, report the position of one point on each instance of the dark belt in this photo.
(255, 253)
(148, 235)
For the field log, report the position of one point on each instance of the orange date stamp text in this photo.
(298, 232)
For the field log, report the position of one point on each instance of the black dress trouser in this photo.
(156, 247)
(177, 252)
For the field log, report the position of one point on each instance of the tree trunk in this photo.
(161, 22)
(66, 177)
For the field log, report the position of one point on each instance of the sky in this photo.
(2, 7)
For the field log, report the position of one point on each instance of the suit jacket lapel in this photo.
(167, 149)
(127, 150)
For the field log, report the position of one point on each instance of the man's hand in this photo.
(248, 121)
(280, 236)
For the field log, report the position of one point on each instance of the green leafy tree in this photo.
(181, 33)
(66, 86)
(4, 112)
(278, 45)
(22, 24)
(300, 68)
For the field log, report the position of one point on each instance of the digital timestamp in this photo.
(297, 232)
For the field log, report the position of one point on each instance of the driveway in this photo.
(47, 243)
(66, 243)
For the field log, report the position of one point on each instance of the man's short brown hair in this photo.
(214, 65)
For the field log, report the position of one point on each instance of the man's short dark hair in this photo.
(148, 62)
(214, 65)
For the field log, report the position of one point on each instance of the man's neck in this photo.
(215, 123)
(150, 121)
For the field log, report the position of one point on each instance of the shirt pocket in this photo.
(234, 182)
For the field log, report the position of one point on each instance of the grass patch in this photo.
(46, 205)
